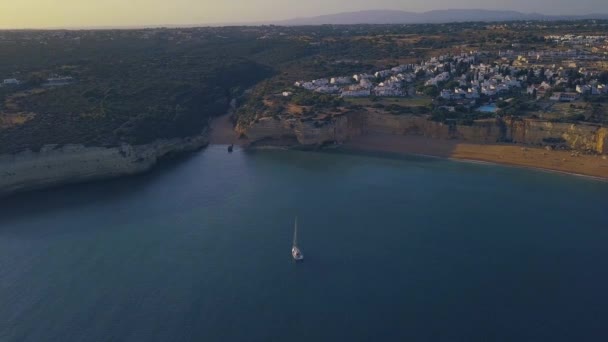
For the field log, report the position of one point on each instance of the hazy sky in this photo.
(82, 13)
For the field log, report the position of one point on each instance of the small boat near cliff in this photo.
(296, 253)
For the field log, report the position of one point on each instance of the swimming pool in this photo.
(489, 108)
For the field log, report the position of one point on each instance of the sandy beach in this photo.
(222, 131)
(514, 155)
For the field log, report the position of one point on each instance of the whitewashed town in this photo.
(557, 75)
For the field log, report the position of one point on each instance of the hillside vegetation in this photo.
(129, 86)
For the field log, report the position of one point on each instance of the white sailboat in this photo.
(295, 251)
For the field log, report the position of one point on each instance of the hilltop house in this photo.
(321, 82)
(502, 88)
(446, 94)
(472, 93)
(366, 83)
(11, 81)
(388, 91)
(512, 83)
(402, 68)
(308, 85)
(539, 89)
(583, 89)
(444, 76)
(460, 93)
(489, 90)
(457, 94)
(360, 77)
(356, 92)
(383, 73)
(341, 80)
(564, 97)
(327, 89)
(58, 81)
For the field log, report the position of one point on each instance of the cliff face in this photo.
(582, 137)
(602, 143)
(483, 131)
(306, 133)
(54, 165)
(575, 136)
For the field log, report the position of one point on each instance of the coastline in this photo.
(521, 156)
(533, 158)
(55, 166)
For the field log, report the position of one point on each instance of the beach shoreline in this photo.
(514, 155)
(520, 156)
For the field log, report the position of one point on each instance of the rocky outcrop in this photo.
(302, 132)
(602, 141)
(584, 137)
(54, 165)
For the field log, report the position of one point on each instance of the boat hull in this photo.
(297, 254)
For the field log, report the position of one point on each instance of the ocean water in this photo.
(397, 249)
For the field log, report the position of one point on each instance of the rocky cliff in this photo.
(583, 137)
(54, 165)
(297, 131)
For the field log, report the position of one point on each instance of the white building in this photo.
(402, 68)
(11, 81)
(327, 89)
(472, 93)
(502, 88)
(583, 89)
(488, 90)
(366, 83)
(341, 80)
(513, 83)
(446, 94)
(360, 77)
(564, 97)
(444, 76)
(321, 82)
(356, 93)
(58, 81)
(383, 73)
(459, 93)
(541, 89)
(388, 91)
(309, 86)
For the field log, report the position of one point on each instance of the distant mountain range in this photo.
(438, 16)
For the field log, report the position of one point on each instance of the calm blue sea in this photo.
(397, 249)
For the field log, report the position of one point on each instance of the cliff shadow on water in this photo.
(57, 165)
(75, 196)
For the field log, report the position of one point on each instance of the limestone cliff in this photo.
(54, 165)
(301, 132)
(583, 137)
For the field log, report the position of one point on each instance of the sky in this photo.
(95, 13)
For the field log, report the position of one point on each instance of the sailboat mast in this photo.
(295, 233)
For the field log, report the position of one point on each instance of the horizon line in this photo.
(275, 22)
